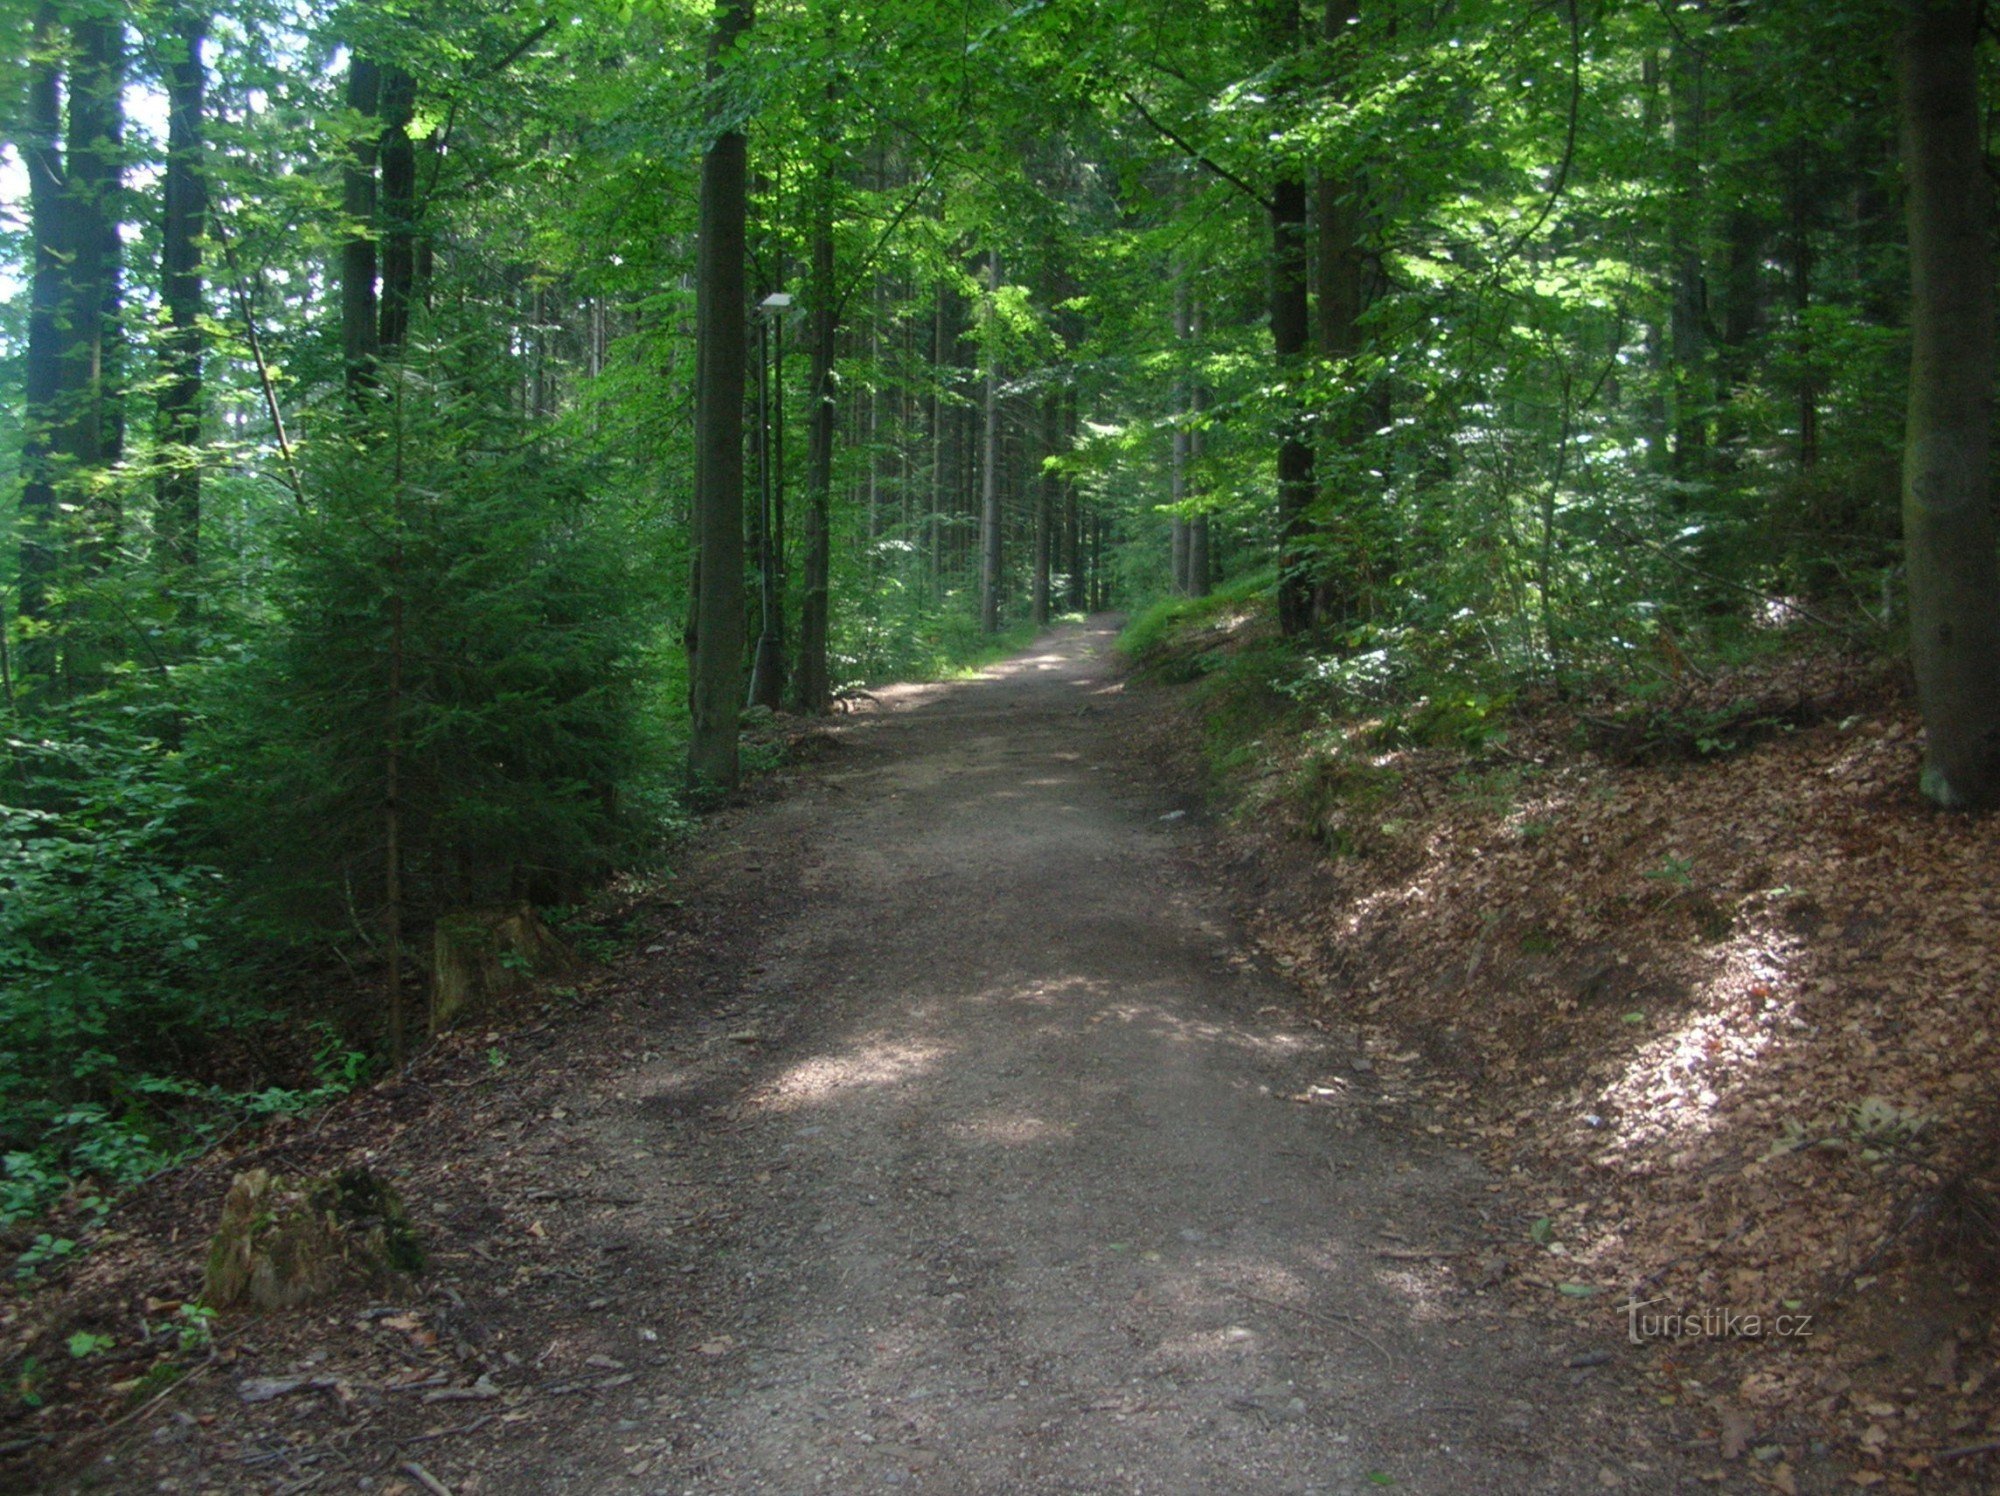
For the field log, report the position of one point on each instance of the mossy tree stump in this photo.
(481, 955)
(285, 1242)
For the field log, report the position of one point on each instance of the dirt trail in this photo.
(1026, 1204)
(946, 1137)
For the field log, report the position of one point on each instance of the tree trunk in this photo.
(1692, 395)
(398, 213)
(1948, 530)
(715, 674)
(812, 690)
(989, 458)
(767, 669)
(1100, 586)
(1341, 302)
(1074, 596)
(178, 491)
(357, 246)
(1048, 496)
(92, 414)
(1198, 564)
(1802, 273)
(1290, 329)
(935, 526)
(1177, 486)
(40, 545)
(1295, 453)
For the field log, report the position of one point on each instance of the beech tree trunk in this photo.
(40, 545)
(1948, 531)
(1048, 497)
(1687, 106)
(93, 353)
(1198, 564)
(358, 330)
(1340, 225)
(1291, 327)
(989, 464)
(398, 209)
(715, 673)
(178, 490)
(812, 689)
(1177, 484)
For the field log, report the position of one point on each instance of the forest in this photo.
(439, 441)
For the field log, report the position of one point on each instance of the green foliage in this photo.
(30, 1378)
(453, 605)
(1167, 634)
(110, 970)
(44, 1250)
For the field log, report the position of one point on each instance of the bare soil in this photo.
(948, 1135)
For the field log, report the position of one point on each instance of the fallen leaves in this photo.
(1745, 1010)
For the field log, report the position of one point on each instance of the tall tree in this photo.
(1948, 528)
(1199, 565)
(715, 672)
(397, 210)
(1177, 459)
(1048, 496)
(359, 333)
(93, 354)
(1291, 328)
(42, 141)
(989, 459)
(812, 686)
(185, 210)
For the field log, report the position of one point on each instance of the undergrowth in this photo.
(1316, 730)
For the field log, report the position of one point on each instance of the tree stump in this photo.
(285, 1242)
(481, 955)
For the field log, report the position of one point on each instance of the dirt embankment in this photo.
(1718, 992)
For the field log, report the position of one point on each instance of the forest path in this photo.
(1024, 1202)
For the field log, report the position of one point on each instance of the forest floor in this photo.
(945, 1131)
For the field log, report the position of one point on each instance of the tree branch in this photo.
(1569, 143)
(1196, 155)
(861, 270)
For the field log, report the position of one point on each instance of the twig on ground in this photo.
(1967, 1451)
(425, 1479)
(1329, 1318)
(451, 1433)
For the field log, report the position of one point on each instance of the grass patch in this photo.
(1179, 637)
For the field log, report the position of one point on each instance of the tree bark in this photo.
(1177, 485)
(812, 689)
(358, 329)
(1687, 106)
(1290, 329)
(40, 545)
(178, 490)
(398, 209)
(989, 478)
(1198, 563)
(1342, 299)
(93, 355)
(715, 673)
(1948, 530)
(1295, 454)
(1048, 497)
